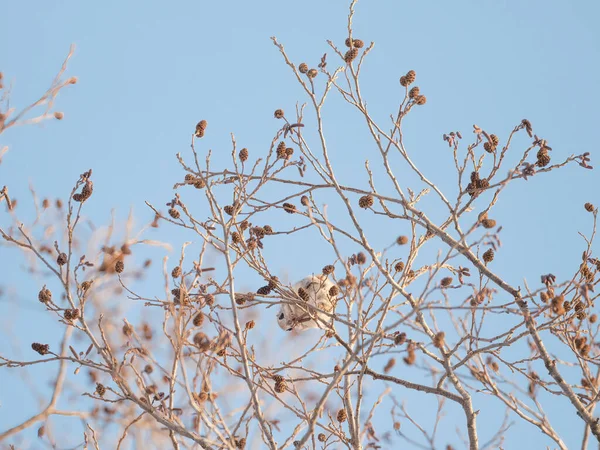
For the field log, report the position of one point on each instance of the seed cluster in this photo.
(366, 201)
(201, 128)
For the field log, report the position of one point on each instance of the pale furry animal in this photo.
(313, 290)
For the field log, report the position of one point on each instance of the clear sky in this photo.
(149, 70)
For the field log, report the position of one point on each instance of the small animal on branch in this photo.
(308, 308)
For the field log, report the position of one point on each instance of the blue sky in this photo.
(148, 71)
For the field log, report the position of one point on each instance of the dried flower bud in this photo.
(278, 114)
(366, 201)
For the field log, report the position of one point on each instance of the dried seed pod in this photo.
(334, 291)
(174, 213)
(198, 319)
(421, 100)
(45, 295)
(351, 55)
(411, 76)
(289, 152)
(328, 269)
(303, 294)
(202, 341)
(240, 443)
(243, 155)
(281, 154)
(488, 223)
(304, 200)
(289, 208)
(348, 42)
(229, 210)
(489, 147)
(236, 237)
(312, 73)
(280, 386)
(357, 43)
(71, 314)
(264, 290)
(86, 285)
(366, 201)
(321, 437)
(414, 92)
(268, 229)
(438, 339)
(209, 299)
(342, 415)
(240, 299)
(127, 329)
(59, 115)
(494, 139)
(399, 266)
(42, 349)
(593, 318)
(199, 183)
(189, 178)
(250, 324)
(303, 68)
(403, 81)
(200, 128)
(361, 258)
(278, 114)
(100, 390)
(446, 281)
(589, 207)
(400, 338)
(402, 240)
(488, 255)
(119, 266)
(543, 158)
(62, 259)
(176, 272)
(544, 296)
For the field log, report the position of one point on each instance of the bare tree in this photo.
(196, 371)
